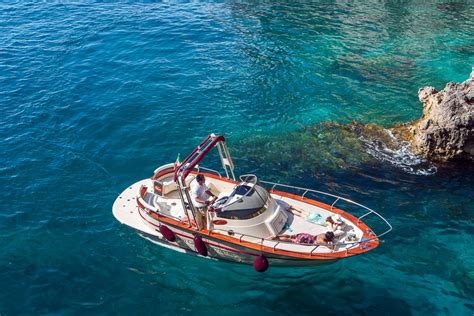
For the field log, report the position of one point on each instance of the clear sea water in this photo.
(94, 96)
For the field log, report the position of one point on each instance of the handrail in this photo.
(182, 170)
(277, 242)
(208, 169)
(196, 149)
(246, 193)
(164, 167)
(146, 207)
(197, 167)
(231, 232)
(196, 156)
(370, 211)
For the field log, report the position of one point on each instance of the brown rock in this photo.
(445, 130)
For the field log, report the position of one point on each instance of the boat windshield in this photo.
(241, 190)
(248, 200)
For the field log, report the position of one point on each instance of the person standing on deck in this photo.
(200, 194)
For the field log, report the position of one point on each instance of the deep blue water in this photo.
(95, 96)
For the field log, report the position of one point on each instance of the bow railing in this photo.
(337, 198)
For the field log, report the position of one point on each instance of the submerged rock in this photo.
(445, 130)
(382, 144)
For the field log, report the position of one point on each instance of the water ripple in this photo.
(401, 156)
(96, 95)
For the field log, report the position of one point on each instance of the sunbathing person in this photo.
(326, 238)
(293, 209)
(297, 211)
(336, 224)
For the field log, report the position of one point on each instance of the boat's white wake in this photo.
(400, 155)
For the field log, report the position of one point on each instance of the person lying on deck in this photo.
(326, 238)
(336, 224)
(297, 211)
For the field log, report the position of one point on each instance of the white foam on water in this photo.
(401, 157)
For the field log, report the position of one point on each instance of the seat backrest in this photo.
(170, 186)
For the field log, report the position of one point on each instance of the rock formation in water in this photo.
(445, 131)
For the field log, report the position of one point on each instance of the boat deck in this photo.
(125, 209)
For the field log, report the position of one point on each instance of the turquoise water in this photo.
(95, 96)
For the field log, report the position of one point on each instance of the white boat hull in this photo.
(126, 211)
(249, 223)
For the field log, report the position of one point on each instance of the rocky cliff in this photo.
(445, 130)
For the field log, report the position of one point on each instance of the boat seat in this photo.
(148, 197)
(163, 207)
(214, 189)
(169, 186)
(143, 190)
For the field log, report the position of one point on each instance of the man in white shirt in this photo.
(200, 194)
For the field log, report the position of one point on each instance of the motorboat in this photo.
(245, 222)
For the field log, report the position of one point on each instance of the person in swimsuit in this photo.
(296, 211)
(326, 238)
(336, 224)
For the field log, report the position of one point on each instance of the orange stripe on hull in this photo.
(369, 245)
